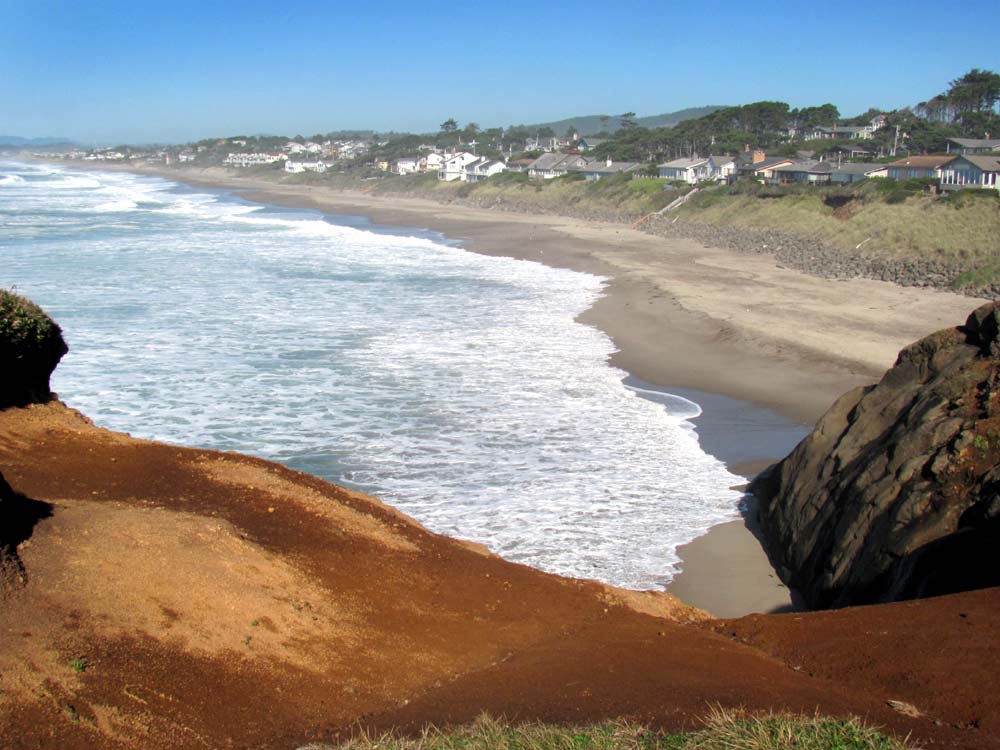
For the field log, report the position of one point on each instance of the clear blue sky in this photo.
(110, 71)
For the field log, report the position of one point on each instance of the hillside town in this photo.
(946, 140)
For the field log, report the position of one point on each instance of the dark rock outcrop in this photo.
(896, 492)
(31, 345)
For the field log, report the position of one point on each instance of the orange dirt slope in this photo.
(180, 598)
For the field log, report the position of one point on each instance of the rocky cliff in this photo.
(896, 492)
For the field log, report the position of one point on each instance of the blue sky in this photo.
(175, 71)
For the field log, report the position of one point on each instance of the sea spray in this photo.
(456, 386)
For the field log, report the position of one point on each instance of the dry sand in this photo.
(683, 315)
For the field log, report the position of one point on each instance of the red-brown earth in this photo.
(180, 598)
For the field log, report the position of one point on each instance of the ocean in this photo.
(455, 386)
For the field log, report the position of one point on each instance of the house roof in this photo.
(922, 162)
(859, 168)
(770, 163)
(602, 167)
(985, 162)
(683, 163)
(977, 142)
(804, 166)
(548, 161)
(721, 159)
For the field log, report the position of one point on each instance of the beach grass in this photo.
(721, 729)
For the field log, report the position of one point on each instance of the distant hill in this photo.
(590, 124)
(16, 140)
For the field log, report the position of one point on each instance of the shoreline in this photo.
(670, 307)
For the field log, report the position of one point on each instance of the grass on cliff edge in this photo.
(724, 729)
(24, 326)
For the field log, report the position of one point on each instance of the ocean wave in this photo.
(456, 386)
(11, 179)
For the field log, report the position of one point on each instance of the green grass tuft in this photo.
(723, 729)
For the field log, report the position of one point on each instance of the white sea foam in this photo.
(453, 385)
(11, 179)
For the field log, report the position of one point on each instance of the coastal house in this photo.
(972, 171)
(251, 160)
(721, 168)
(453, 166)
(684, 170)
(483, 169)
(815, 173)
(589, 144)
(433, 161)
(764, 170)
(855, 171)
(519, 165)
(537, 143)
(548, 166)
(698, 169)
(597, 169)
(917, 167)
(851, 151)
(861, 132)
(985, 145)
(297, 167)
(407, 165)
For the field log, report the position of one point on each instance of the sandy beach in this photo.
(685, 316)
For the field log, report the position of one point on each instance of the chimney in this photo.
(758, 156)
(607, 162)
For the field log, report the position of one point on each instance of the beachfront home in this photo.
(589, 144)
(917, 167)
(433, 161)
(483, 169)
(855, 171)
(685, 170)
(596, 169)
(298, 167)
(453, 166)
(407, 165)
(721, 168)
(972, 171)
(974, 145)
(814, 173)
(519, 165)
(251, 160)
(548, 166)
(763, 170)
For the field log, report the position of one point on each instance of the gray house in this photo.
(973, 145)
(972, 171)
(853, 172)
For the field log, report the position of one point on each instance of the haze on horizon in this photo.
(122, 72)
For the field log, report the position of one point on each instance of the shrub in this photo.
(31, 346)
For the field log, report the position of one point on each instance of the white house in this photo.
(483, 169)
(407, 165)
(453, 167)
(721, 168)
(297, 167)
(699, 169)
(251, 160)
(433, 161)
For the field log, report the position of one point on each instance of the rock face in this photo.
(31, 345)
(896, 493)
